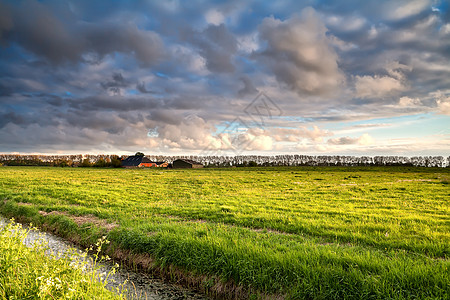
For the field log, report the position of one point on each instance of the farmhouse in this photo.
(161, 164)
(186, 163)
(137, 161)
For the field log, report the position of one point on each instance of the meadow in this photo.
(275, 232)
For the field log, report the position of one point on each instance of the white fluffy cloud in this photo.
(443, 103)
(347, 23)
(366, 139)
(214, 17)
(376, 86)
(397, 10)
(192, 132)
(299, 53)
(379, 86)
(409, 102)
(258, 140)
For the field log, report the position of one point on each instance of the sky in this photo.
(225, 77)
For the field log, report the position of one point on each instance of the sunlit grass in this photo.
(299, 232)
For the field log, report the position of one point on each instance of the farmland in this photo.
(293, 232)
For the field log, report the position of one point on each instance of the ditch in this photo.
(139, 285)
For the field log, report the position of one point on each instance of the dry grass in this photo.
(81, 220)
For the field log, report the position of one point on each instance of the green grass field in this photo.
(295, 233)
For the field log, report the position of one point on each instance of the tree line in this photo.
(114, 161)
(100, 161)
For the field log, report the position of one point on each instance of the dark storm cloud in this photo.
(10, 117)
(42, 33)
(147, 46)
(117, 81)
(100, 121)
(141, 88)
(6, 21)
(114, 103)
(25, 118)
(55, 100)
(217, 45)
(248, 89)
(115, 84)
(165, 117)
(5, 90)
(37, 29)
(121, 104)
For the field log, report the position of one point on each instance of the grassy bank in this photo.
(322, 233)
(36, 273)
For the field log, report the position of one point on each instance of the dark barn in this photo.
(186, 164)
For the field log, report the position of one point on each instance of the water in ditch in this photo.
(139, 285)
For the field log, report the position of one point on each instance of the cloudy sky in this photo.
(225, 77)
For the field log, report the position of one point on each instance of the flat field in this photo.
(296, 233)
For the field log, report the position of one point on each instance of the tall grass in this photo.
(300, 233)
(37, 273)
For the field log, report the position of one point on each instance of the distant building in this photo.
(186, 164)
(137, 162)
(161, 164)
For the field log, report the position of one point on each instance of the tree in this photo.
(85, 163)
(101, 163)
(139, 154)
(252, 164)
(116, 162)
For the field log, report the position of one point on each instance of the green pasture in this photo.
(293, 232)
